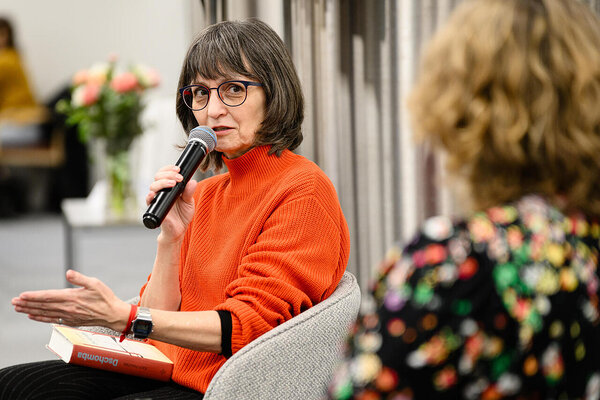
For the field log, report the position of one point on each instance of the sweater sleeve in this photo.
(182, 256)
(297, 260)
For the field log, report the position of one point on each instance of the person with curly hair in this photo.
(502, 302)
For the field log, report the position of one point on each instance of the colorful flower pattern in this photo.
(502, 305)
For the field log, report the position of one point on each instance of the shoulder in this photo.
(489, 235)
(9, 59)
(305, 182)
(208, 185)
(482, 229)
(448, 254)
(519, 245)
(441, 253)
(214, 180)
(303, 174)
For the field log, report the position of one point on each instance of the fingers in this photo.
(40, 314)
(91, 303)
(43, 299)
(50, 305)
(43, 296)
(188, 192)
(167, 169)
(58, 295)
(79, 279)
(42, 311)
(54, 315)
(166, 177)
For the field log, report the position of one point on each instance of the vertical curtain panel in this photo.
(357, 60)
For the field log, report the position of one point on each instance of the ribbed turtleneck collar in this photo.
(254, 167)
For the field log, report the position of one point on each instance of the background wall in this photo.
(59, 37)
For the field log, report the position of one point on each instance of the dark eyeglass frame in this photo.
(209, 89)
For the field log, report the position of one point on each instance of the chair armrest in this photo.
(295, 360)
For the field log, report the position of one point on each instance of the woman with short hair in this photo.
(238, 254)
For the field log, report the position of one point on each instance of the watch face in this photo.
(142, 328)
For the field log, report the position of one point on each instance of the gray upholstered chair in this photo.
(295, 360)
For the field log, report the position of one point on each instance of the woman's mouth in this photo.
(220, 129)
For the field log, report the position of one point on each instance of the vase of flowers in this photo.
(106, 104)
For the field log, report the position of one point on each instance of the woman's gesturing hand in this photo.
(91, 303)
(177, 220)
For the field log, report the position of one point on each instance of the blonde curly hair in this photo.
(510, 90)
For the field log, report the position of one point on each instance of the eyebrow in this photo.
(225, 79)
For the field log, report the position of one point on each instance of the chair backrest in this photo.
(295, 360)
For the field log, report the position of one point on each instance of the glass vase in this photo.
(121, 201)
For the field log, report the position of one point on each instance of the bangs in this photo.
(209, 59)
(250, 49)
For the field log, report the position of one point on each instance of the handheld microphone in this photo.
(202, 140)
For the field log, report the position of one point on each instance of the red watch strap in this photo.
(132, 314)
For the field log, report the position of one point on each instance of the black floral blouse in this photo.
(502, 305)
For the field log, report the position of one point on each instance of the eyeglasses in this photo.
(231, 93)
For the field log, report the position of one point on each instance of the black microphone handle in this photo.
(188, 162)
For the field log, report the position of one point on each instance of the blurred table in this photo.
(90, 214)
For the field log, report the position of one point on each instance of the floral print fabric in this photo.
(502, 305)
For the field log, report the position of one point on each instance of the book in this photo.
(98, 350)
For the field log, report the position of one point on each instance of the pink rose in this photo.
(124, 82)
(86, 95)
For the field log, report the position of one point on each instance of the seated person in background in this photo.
(20, 115)
(238, 254)
(502, 303)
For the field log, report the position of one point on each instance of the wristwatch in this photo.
(142, 324)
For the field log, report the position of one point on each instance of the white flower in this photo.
(438, 228)
(542, 304)
(509, 384)
(147, 76)
(77, 96)
(468, 327)
(416, 359)
(592, 390)
(365, 368)
(98, 73)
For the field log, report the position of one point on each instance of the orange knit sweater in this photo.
(268, 240)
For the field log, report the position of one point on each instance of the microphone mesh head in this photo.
(206, 134)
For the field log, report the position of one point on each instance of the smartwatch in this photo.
(142, 324)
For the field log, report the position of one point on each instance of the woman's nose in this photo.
(215, 106)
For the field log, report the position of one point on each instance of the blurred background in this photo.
(356, 60)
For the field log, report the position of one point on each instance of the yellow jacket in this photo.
(16, 99)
